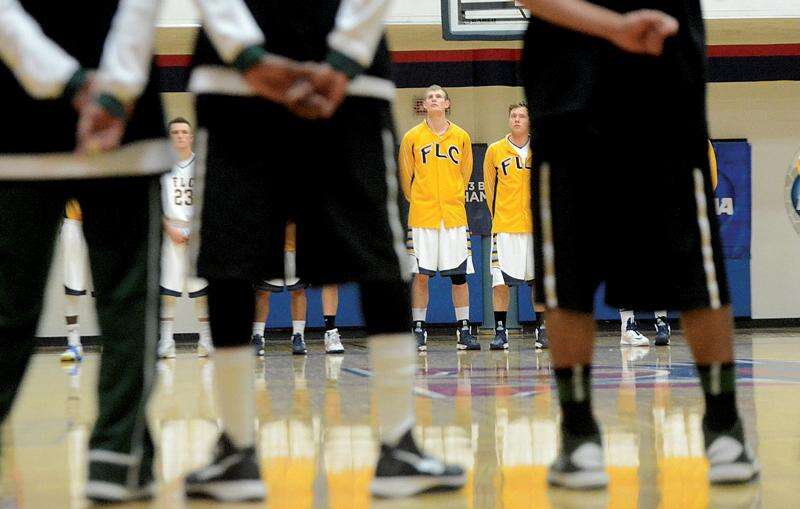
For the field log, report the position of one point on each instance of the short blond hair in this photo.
(437, 88)
(521, 104)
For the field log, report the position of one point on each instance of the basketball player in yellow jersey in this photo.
(435, 167)
(73, 247)
(507, 179)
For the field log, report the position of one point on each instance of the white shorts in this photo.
(175, 277)
(447, 251)
(76, 261)
(512, 259)
(290, 282)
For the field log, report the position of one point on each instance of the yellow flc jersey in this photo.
(434, 173)
(73, 211)
(507, 180)
(712, 162)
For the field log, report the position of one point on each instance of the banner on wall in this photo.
(732, 197)
(478, 216)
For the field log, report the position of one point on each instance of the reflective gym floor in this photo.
(493, 412)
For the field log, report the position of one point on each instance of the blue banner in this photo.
(733, 200)
(478, 217)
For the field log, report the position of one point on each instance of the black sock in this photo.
(719, 388)
(575, 396)
(330, 322)
(418, 324)
(500, 319)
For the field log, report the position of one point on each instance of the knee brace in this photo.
(458, 279)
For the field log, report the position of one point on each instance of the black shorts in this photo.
(336, 179)
(635, 212)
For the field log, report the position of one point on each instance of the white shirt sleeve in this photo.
(358, 29)
(128, 50)
(230, 26)
(40, 65)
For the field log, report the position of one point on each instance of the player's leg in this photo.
(393, 362)
(299, 307)
(166, 338)
(172, 285)
(260, 315)
(539, 322)
(205, 343)
(233, 474)
(629, 334)
(500, 305)
(239, 245)
(424, 256)
(73, 247)
(569, 270)
(708, 326)
(419, 310)
(29, 218)
(499, 301)
(122, 225)
(330, 306)
(709, 333)
(663, 329)
(455, 260)
(74, 351)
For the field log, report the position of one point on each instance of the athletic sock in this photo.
(661, 314)
(419, 314)
(205, 330)
(330, 322)
(719, 388)
(419, 324)
(299, 327)
(462, 314)
(233, 379)
(166, 329)
(258, 328)
(392, 357)
(575, 396)
(500, 319)
(624, 316)
(73, 335)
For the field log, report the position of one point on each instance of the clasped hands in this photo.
(311, 90)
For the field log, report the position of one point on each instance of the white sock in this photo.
(659, 314)
(462, 313)
(201, 311)
(73, 334)
(299, 327)
(166, 329)
(258, 328)
(393, 361)
(233, 379)
(624, 316)
(205, 330)
(167, 317)
(419, 314)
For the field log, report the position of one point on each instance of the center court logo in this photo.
(792, 194)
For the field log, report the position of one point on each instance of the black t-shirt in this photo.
(565, 71)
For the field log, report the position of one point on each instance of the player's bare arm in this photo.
(641, 31)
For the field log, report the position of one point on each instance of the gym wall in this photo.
(754, 95)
